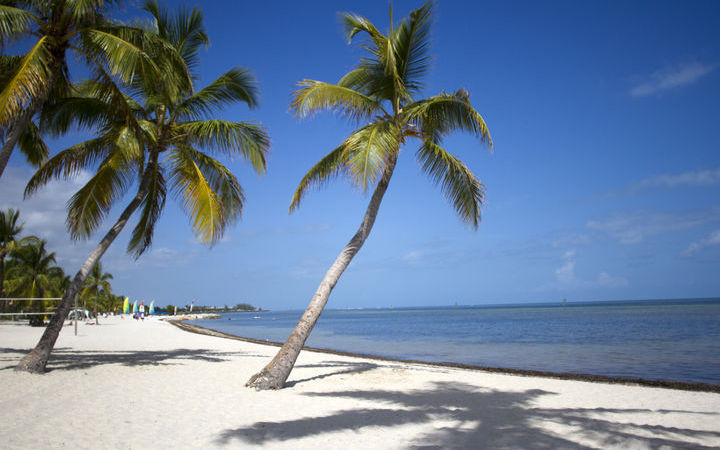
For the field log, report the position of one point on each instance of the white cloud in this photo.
(566, 278)
(671, 78)
(711, 240)
(566, 272)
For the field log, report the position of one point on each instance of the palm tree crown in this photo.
(151, 119)
(55, 27)
(383, 89)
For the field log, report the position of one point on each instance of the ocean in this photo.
(677, 340)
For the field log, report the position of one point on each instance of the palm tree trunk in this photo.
(274, 375)
(13, 136)
(36, 360)
(17, 128)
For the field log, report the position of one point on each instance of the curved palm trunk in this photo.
(274, 375)
(37, 359)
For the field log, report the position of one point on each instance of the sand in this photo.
(125, 384)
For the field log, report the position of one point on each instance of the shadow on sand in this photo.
(68, 359)
(456, 415)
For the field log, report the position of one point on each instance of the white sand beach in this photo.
(126, 384)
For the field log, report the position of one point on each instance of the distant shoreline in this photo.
(665, 384)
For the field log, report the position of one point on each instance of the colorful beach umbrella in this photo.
(135, 306)
(126, 305)
(152, 307)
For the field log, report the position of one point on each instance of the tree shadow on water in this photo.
(68, 359)
(456, 415)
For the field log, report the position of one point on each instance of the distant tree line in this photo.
(212, 309)
(29, 270)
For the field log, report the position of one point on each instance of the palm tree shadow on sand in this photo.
(457, 415)
(68, 359)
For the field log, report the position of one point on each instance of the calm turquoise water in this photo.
(671, 340)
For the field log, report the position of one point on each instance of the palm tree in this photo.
(33, 273)
(135, 128)
(96, 283)
(381, 89)
(30, 80)
(9, 232)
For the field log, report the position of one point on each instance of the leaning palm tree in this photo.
(382, 90)
(56, 27)
(136, 128)
(97, 282)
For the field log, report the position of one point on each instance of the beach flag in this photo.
(152, 307)
(135, 306)
(126, 306)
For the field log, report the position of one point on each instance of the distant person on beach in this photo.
(141, 310)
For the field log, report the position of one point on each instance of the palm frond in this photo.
(69, 163)
(14, 22)
(368, 150)
(32, 145)
(88, 206)
(314, 96)
(354, 24)
(123, 57)
(235, 85)
(330, 166)
(411, 45)
(27, 82)
(457, 182)
(222, 182)
(444, 113)
(248, 139)
(152, 206)
(83, 112)
(199, 200)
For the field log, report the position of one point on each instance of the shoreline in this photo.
(664, 384)
(187, 390)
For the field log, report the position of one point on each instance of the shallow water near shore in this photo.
(675, 340)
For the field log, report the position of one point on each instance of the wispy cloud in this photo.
(636, 226)
(703, 177)
(671, 78)
(566, 278)
(699, 178)
(710, 240)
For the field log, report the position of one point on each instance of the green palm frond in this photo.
(185, 30)
(27, 82)
(248, 139)
(69, 162)
(457, 182)
(88, 207)
(235, 85)
(221, 181)
(314, 96)
(411, 45)
(200, 201)
(8, 66)
(32, 146)
(354, 24)
(152, 206)
(83, 112)
(330, 166)
(368, 150)
(444, 113)
(123, 57)
(14, 22)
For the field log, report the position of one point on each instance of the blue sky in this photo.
(603, 184)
